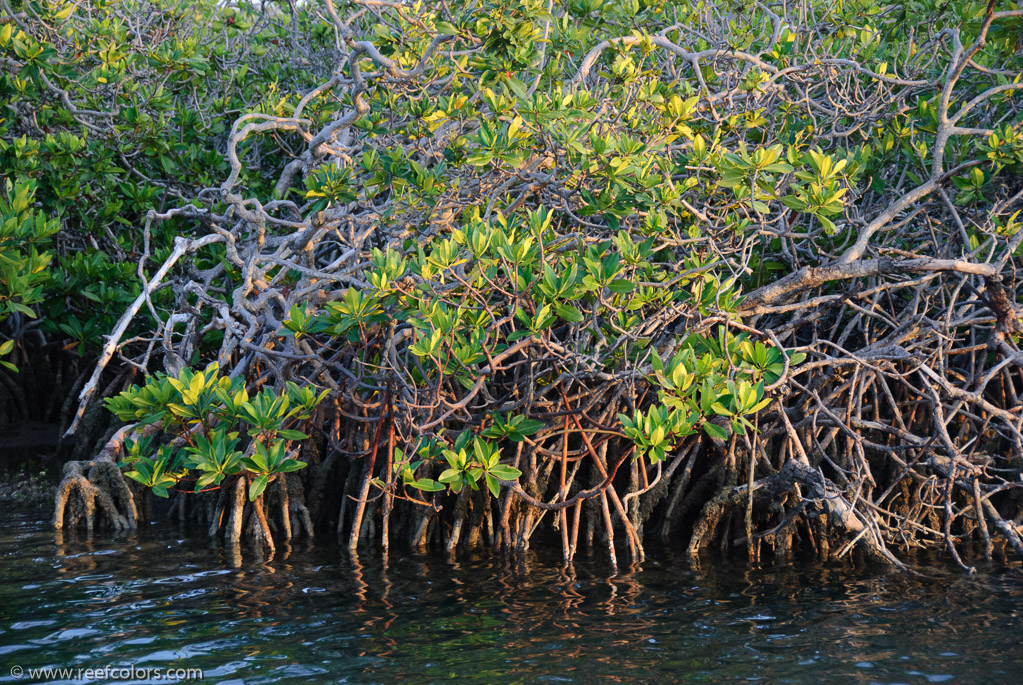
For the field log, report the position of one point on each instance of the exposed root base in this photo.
(705, 495)
(87, 484)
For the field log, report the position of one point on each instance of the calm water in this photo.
(165, 599)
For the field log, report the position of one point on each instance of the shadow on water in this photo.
(30, 465)
(315, 614)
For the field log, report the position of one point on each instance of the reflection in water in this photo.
(318, 614)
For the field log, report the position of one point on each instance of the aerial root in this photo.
(841, 517)
(87, 484)
(282, 489)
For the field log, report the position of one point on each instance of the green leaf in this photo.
(257, 487)
(289, 434)
(568, 313)
(450, 476)
(621, 285)
(715, 431)
(290, 465)
(518, 335)
(529, 426)
(493, 486)
(505, 472)
(427, 485)
(445, 28)
(720, 409)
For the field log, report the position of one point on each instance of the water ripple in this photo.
(322, 616)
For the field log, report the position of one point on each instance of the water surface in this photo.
(165, 598)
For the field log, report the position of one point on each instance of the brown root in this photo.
(87, 484)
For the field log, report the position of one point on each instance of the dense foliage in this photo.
(748, 262)
(112, 110)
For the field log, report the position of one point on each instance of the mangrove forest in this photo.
(734, 276)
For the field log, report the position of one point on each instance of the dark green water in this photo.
(164, 599)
